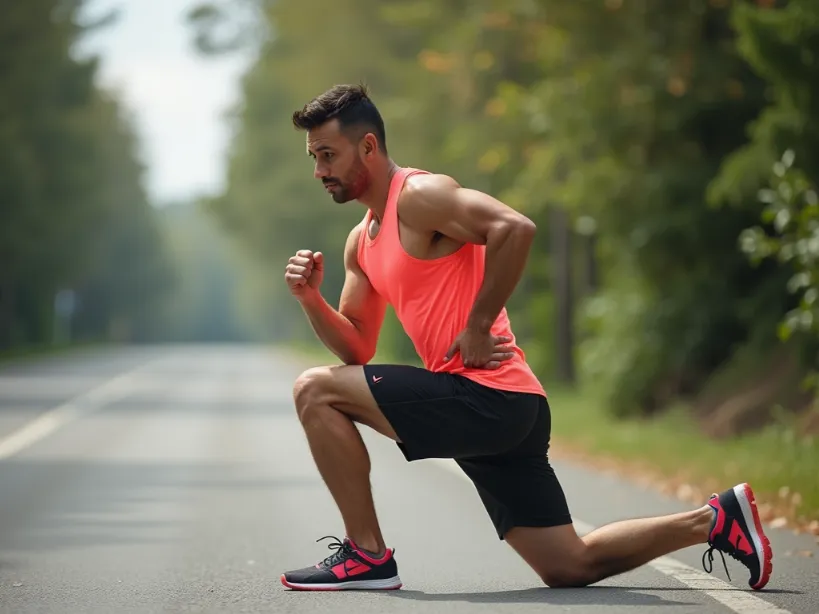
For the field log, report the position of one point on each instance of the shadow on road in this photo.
(593, 595)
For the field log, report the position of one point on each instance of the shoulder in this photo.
(351, 245)
(424, 194)
(426, 186)
(355, 233)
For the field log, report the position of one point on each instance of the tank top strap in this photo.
(389, 224)
(396, 186)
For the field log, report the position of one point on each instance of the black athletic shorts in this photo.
(499, 439)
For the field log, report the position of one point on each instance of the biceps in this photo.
(362, 305)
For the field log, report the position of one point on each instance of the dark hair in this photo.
(349, 104)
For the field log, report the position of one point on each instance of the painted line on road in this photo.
(741, 602)
(83, 404)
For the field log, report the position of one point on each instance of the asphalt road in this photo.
(176, 479)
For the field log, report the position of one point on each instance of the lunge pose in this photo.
(447, 258)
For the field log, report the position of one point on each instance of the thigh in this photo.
(519, 488)
(518, 491)
(441, 415)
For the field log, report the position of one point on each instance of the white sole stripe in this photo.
(748, 515)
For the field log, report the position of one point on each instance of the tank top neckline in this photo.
(389, 208)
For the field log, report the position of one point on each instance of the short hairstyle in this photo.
(349, 104)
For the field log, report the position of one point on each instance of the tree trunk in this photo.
(7, 332)
(564, 304)
(592, 276)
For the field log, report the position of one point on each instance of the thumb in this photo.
(318, 261)
(452, 349)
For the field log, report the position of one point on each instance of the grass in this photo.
(670, 453)
(44, 350)
(781, 466)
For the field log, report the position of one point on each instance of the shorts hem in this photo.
(541, 523)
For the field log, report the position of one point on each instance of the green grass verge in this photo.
(45, 350)
(672, 446)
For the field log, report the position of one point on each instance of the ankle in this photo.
(371, 546)
(702, 520)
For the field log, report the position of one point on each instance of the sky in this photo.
(176, 98)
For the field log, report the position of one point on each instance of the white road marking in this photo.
(81, 405)
(740, 601)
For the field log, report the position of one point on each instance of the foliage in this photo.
(75, 216)
(643, 120)
(793, 211)
(782, 46)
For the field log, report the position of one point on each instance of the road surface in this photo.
(176, 479)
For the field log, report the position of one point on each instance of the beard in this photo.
(352, 187)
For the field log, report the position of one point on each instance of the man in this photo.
(447, 258)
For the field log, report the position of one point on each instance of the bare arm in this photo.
(436, 203)
(351, 333)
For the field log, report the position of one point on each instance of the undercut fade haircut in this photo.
(350, 105)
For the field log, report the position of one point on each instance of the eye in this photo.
(328, 155)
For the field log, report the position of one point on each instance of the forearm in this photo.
(507, 249)
(334, 330)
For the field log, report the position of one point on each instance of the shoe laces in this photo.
(732, 551)
(343, 551)
(709, 553)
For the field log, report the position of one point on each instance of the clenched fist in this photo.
(304, 272)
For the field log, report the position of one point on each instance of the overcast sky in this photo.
(176, 98)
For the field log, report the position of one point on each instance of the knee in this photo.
(570, 572)
(310, 391)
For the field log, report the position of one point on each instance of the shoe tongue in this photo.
(347, 540)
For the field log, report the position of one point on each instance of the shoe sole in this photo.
(388, 584)
(747, 503)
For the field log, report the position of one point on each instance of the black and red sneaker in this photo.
(737, 531)
(347, 568)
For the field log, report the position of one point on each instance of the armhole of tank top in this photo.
(363, 236)
(392, 203)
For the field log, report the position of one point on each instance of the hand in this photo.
(304, 272)
(480, 350)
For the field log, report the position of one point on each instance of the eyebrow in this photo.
(319, 148)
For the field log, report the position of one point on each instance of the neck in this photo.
(375, 198)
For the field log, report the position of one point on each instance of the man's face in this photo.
(339, 162)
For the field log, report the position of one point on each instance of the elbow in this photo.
(521, 230)
(526, 227)
(517, 230)
(359, 357)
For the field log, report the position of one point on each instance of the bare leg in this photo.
(561, 558)
(328, 399)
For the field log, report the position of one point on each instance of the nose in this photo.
(320, 171)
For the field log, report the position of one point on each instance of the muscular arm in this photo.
(436, 203)
(351, 333)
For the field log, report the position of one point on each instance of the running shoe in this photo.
(347, 568)
(737, 532)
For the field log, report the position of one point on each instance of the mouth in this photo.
(330, 186)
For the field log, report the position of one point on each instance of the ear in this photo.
(369, 144)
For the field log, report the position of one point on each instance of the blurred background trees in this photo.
(667, 151)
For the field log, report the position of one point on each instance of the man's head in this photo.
(345, 135)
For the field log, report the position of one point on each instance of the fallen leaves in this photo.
(779, 523)
(802, 553)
